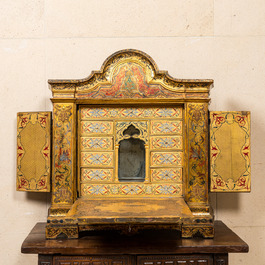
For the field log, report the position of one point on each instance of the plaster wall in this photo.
(61, 39)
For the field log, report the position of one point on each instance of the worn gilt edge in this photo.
(53, 231)
(190, 230)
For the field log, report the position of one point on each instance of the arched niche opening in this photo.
(131, 157)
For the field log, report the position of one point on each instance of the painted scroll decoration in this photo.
(63, 153)
(198, 155)
(33, 151)
(230, 151)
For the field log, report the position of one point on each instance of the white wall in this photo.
(52, 39)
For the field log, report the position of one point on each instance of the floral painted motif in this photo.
(63, 153)
(198, 154)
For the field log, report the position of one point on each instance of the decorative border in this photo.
(121, 126)
(129, 113)
(127, 190)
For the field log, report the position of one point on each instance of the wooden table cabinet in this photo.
(160, 247)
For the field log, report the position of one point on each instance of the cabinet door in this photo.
(33, 151)
(230, 151)
(176, 259)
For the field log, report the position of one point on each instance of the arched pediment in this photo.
(128, 74)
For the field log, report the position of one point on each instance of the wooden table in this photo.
(146, 248)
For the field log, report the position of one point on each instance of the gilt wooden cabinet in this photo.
(146, 248)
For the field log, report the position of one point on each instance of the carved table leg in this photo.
(220, 259)
(45, 260)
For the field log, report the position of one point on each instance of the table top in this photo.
(146, 242)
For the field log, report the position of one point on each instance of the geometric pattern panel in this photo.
(131, 189)
(128, 113)
(166, 142)
(163, 159)
(166, 174)
(96, 143)
(230, 151)
(33, 151)
(166, 127)
(97, 159)
(96, 127)
(90, 174)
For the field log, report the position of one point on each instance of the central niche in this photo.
(131, 156)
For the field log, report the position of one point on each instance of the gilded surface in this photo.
(175, 144)
(98, 169)
(123, 210)
(230, 151)
(141, 130)
(33, 151)
(63, 130)
(206, 231)
(197, 137)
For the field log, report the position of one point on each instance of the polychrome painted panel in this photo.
(96, 127)
(230, 151)
(165, 127)
(97, 159)
(90, 174)
(163, 159)
(129, 113)
(120, 190)
(128, 80)
(33, 151)
(197, 136)
(166, 142)
(166, 174)
(63, 153)
(96, 143)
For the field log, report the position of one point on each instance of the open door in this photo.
(33, 151)
(230, 151)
